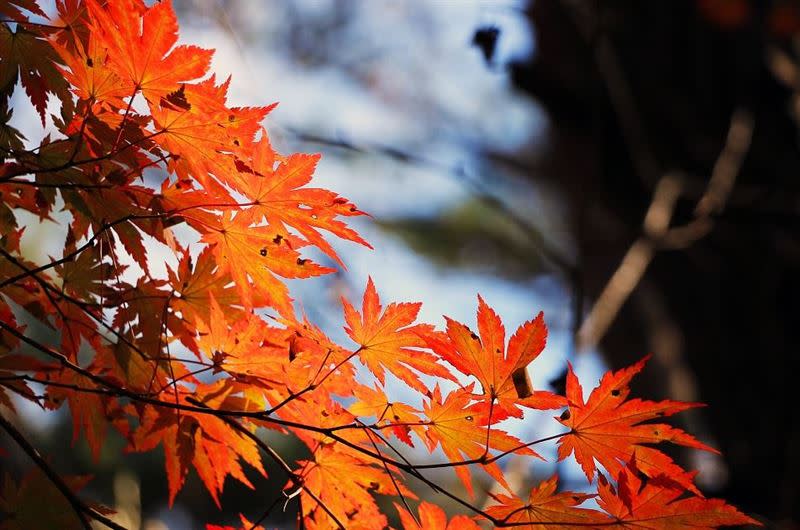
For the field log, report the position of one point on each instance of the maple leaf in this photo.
(250, 254)
(387, 339)
(7, 341)
(609, 429)
(656, 503)
(28, 57)
(545, 509)
(486, 358)
(345, 485)
(204, 441)
(11, 364)
(91, 412)
(399, 416)
(13, 9)
(88, 73)
(141, 44)
(431, 517)
(86, 275)
(195, 282)
(249, 349)
(279, 194)
(204, 136)
(457, 427)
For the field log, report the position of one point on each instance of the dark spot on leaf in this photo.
(277, 239)
(325, 413)
(301, 261)
(615, 392)
(468, 418)
(89, 62)
(474, 336)
(565, 415)
(241, 167)
(236, 142)
(231, 118)
(373, 486)
(396, 417)
(263, 252)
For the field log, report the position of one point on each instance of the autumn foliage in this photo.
(145, 153)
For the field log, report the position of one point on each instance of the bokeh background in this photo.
(630, 168)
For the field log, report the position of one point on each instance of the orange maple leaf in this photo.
(207, 442)
(609, 429)
(399, 417)
(86, 68)
(345, 484)
(545, 509)
(387, 339)
(656, 503)
(456, 425)
(279, 194)
(431, 517)
(251, 254)
(141, 44)
(486, 358)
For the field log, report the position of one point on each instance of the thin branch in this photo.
(35, 24)
(656, 231)
(82, 510)
(549, 255)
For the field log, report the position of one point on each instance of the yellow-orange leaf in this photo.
(431, 517)
(486, 358)
(141, 46)
(545, 509)
(457, 426)
(390, 340)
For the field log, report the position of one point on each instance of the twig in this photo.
(657, 234)
(81, 509)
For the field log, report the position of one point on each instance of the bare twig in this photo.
(657, 233)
